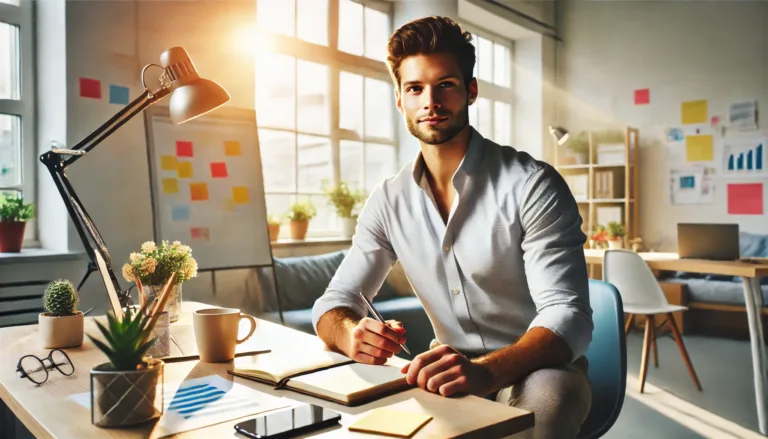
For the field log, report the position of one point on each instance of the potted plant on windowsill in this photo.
(274, 223)
(300, 214)
(346, 201)
(615, 235)
(14, 214)
(61, 325)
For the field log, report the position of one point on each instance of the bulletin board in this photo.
(208, 188)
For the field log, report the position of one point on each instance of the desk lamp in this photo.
(560, 134)
(191, 96)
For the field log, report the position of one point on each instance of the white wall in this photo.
(680, 50)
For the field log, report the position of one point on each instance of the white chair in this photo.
(642, 295)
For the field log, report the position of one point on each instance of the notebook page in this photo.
(278, 364)
(349, 382)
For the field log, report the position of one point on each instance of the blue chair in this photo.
(607, 356)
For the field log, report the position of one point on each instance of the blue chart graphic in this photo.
(749, 159)
(203, 400)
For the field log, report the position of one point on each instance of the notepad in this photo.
(390, 422)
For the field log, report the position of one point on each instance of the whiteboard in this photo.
(207, 187)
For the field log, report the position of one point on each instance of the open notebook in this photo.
(322, 374)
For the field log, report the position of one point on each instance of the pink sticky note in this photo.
(642, 96)
(203, 233)
(218, 170)
(183, 148)
(90, 88)
(745, 199)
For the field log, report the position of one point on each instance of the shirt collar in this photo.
(472, 158)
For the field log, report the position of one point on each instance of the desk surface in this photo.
(672, 262)
(48, 412)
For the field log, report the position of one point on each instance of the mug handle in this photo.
(253, 326)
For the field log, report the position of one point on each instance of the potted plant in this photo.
(61, 325)
(299, 215)
(153, 266)
(124, 389)
(274, 222)
(615, 235)
(14, 214)
(579, 147)
(346, 202)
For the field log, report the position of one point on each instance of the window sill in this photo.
(284, 243)
(38, 255)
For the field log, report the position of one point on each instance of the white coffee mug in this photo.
(216, 332)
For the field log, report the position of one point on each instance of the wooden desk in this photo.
(753, 299)
(48, 412)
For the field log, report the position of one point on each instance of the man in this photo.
(490, 240)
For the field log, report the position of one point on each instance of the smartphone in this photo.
(288, 423)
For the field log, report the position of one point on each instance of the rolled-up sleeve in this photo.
(555, 266)
(365, 266)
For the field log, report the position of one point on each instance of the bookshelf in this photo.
(604, 178)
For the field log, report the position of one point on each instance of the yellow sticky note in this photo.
(390, 422)
(695, 111)
(231, 147)
(170, 186)
(240, 195)
(699, 148)
(168, 162)
(184, 169)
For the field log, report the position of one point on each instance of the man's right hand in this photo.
(372, 342)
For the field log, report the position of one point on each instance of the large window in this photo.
(324, 101)
(17, 150)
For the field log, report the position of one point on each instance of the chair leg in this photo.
(646, 347)
(653, 342)
(683, 351)
(630, 323)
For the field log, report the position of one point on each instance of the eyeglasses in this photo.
(36, 369)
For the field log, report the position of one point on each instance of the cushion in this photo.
(302, 279)
(753, 245)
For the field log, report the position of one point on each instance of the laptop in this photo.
(718, 242)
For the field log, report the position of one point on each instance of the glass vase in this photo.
(174, 302)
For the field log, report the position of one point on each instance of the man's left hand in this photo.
(445, 371)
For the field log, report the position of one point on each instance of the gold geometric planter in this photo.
(124, 398)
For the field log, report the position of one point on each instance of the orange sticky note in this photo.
(231, 147)
(168, 163)
(240, 195)
(170, 186)
(198, 191)
(184, 169)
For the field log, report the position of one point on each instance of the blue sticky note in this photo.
(118, 94)
(180, 212)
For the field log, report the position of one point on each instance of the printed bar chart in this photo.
(744, 157)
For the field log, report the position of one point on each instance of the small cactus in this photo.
(60, 298)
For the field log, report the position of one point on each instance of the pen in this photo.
(378, 317)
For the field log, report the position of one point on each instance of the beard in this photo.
(446, 131)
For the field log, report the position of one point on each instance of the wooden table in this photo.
(753, 299)
(48, 412)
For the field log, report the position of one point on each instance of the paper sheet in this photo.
(691, 185)
(699, 148)
(390, 422)
(694, 111)
(743, 116)
(745, 199)
(745, 157)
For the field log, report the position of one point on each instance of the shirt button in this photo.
(455, 291)
(447, 247)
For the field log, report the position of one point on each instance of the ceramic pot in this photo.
(124, 398)
(174, 302)
(614, 244)
(299, 229)
(59, 332)
(274, 232)
(11, 236)
(348, 226)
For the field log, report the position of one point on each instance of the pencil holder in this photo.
(162, 335)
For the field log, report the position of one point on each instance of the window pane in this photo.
(278, 205)
(379, 164)
(315, 163)
(484, 117)
(313, 102)
(313, 21)
(10, 150)
(351, 14)
(473, 115)
(350, 101)
(351, 163)
(379, 98)
(501, 67)
(275, 91)
(376, 34)
(485, 59)
(502, 113)
(11, 2)
(476, 43)
(325, 220)
(276, 16)
(9, 61)
(278, 155)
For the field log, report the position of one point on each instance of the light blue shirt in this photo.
(509, 258)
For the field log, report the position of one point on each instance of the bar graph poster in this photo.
(745, 157)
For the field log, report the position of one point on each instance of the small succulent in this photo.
(127, 340)
(60, 298)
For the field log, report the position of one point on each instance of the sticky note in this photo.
(184, 169)
(118, 94)
(183, 148)
(642, 96)
(203, 233)
(180, 212)
(745, 199)
(90, 88)
(168, 163)
(694, 111)
(390, 422)
(240, 195)
(218, 170)
(231, 148)
(699, 148)
(170, 186)
(198, 191)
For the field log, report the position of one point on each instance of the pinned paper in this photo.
(699, 148)
(240, 195)
(694, 111)
(218, 170)
(202, 233)
(183, 148)
(675, 135)
(168, 163)
(745, 199)
(118, 94)
(170, 186)
(232, 148)
(198, 191)
(642, 96)
(184, 169)
(90, 88)
(180, 212)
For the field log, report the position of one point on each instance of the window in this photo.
(17, 146)
(324, 102)
(492, 112)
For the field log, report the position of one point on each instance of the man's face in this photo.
(433, 98)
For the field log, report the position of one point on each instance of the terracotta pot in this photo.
(274, 231)
(299, 229)
(11, 236)
(58, 332)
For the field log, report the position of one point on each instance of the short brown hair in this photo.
(430, 35)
